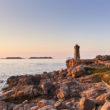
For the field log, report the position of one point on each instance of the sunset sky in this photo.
(53, 27)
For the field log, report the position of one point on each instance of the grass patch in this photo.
(100, 73)
(97, 69)
(97, 77)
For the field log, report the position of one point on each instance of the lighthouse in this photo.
(76, 52)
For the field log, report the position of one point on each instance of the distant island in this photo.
(40, 58)
(14, 58)
(28, 58)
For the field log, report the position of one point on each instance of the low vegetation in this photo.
(98, 69)
(100, 73)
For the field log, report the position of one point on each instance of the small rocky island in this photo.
(40, 58)
(28, 58)
(83, 85)
(14, 58)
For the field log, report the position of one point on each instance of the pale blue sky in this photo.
(52, 27)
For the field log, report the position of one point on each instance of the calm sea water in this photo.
(10, 67)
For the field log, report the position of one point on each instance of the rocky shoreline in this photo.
(69, 89)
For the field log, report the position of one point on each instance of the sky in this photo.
(53, 27)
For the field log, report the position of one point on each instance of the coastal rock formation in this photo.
(63, 91)
(70, 62)
(46, 87)
(103, 57)
(78, 87)
(3, 105)
(106, 106)
(55, 90)
(101, 99)
(86, 104)
(76, 71)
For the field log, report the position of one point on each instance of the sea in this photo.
(14, 67)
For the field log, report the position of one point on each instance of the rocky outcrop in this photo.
(64, 89)
(71, 62)
(47, 107)
(101, 99)
(76, 71)
(46, 87)
(103, 57)
(86, 104)
(106, 106)
(93, 92)
(3, 105)
(20, 93)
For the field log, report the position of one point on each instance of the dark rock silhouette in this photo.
(40, 58)
(14, 58)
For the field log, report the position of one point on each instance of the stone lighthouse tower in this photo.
(76, 52)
